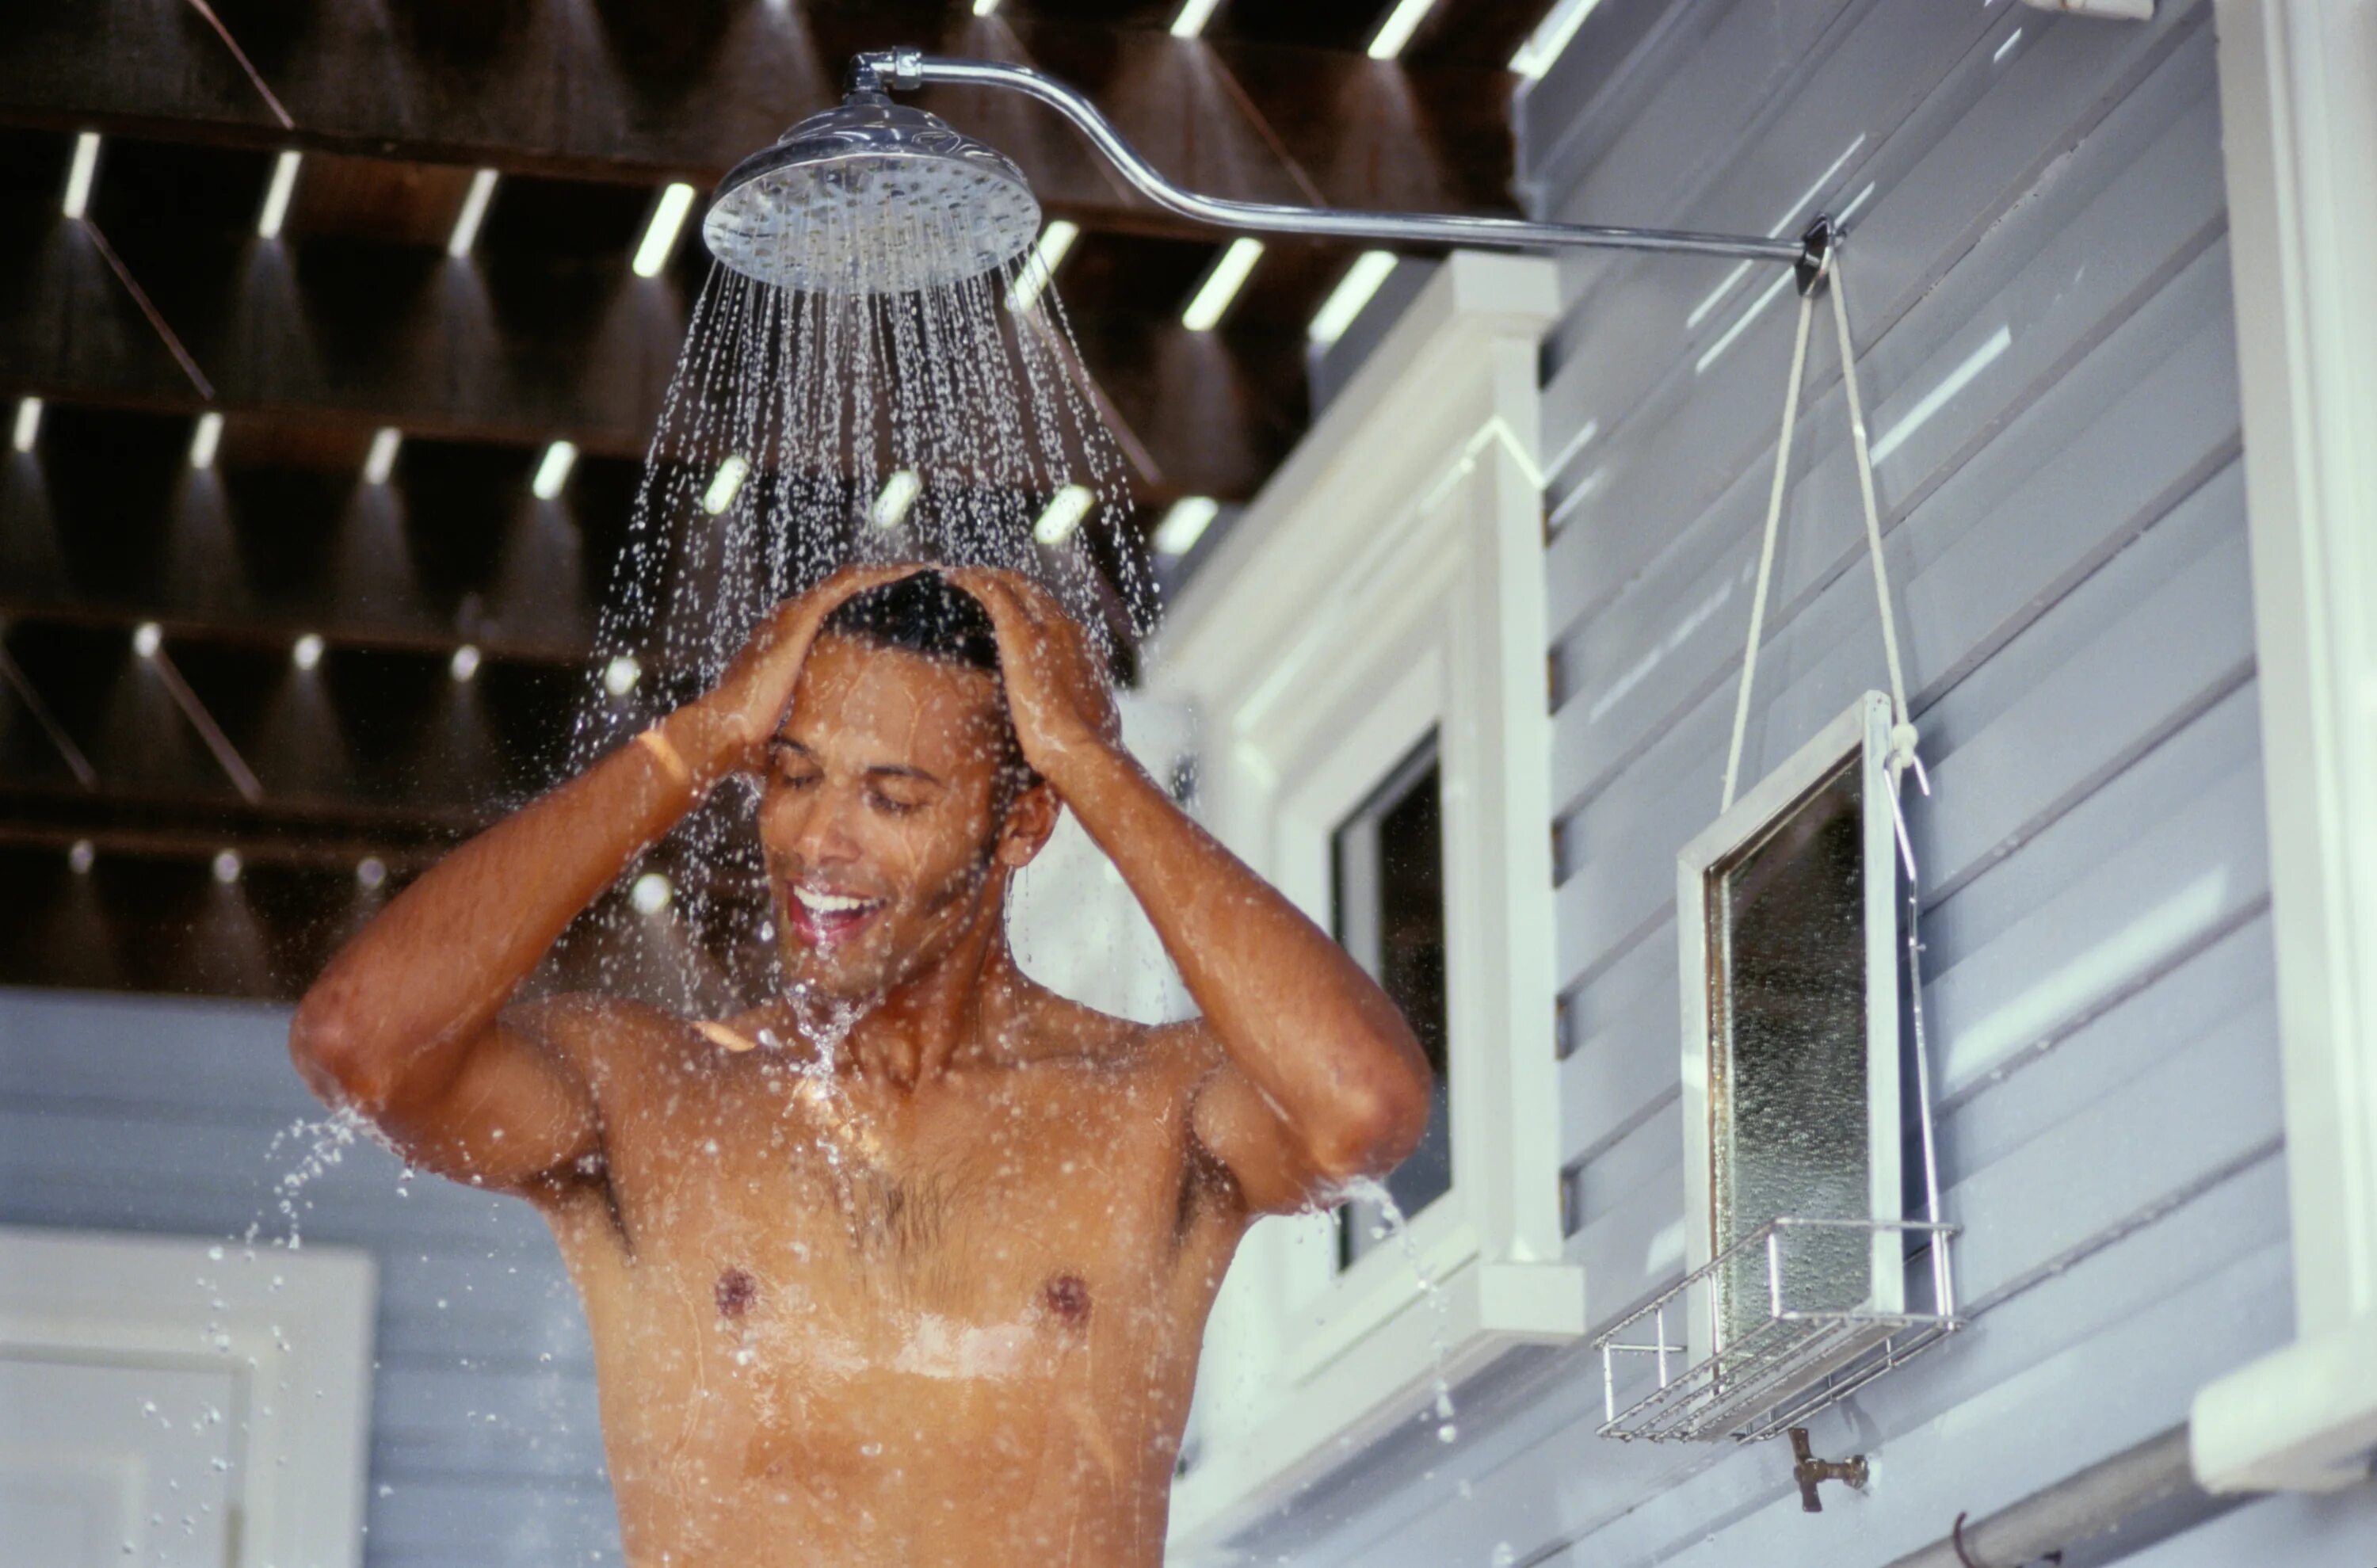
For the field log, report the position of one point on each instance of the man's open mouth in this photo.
(824, 919)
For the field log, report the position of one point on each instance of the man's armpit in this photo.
(1236, 1124)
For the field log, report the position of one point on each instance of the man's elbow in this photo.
(1382, 1120)
(334, 1057)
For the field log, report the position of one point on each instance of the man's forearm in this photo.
(434, 968)
(1295, 1013)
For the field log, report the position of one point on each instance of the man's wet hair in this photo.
(923, 614)
(928, 615)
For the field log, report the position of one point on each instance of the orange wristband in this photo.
(665, 753)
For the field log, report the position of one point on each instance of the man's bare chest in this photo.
(852, 1213)
(798, 1281)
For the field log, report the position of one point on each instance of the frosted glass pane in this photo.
(1790, 1095)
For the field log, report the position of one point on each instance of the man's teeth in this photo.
(830, 903)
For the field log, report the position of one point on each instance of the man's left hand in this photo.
(1063, 708)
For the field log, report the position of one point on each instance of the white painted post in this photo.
(2298, 104)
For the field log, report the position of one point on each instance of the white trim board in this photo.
(298, 1325)
(2299, 111)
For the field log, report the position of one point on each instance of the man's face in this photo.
(878, 822)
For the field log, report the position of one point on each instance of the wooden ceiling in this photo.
(162, 304)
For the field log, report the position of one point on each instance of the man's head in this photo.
(898, 801)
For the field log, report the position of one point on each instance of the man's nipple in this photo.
(735, 1292)
(1067, 1297)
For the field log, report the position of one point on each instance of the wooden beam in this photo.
(518, 351)
(160, 922)
(104, 526)
(279, 628)
(598, 92)
(152, 823)
(1480, 32)
(381, 335)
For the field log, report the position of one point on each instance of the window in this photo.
(1364, 654)
(1386, 877)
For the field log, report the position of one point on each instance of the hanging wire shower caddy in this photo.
(1751, 1388)
(1790, 1361)
(1765, 1374)
(1793, 1361)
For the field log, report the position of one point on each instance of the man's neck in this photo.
(950, 1014)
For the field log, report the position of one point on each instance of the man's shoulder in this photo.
(595, 1011)
(1067, 1029)
(589, 1028)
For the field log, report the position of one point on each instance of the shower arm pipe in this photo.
(906, 69)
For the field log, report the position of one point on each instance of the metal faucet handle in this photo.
(1809, 1472)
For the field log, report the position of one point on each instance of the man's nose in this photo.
(821, 834)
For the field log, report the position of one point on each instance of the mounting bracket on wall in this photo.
(1815, 263)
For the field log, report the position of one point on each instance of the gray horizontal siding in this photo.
(157, 1116)
(2039, 294)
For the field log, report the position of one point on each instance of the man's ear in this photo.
(1030, 818)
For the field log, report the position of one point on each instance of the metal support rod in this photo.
(2083, 1504)
(906, 69)
(243, 777)
(79, 765)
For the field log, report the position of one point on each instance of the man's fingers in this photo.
(793, 626)
(1017, 606)
(859, 576)
(1014, 584)
(1041, 597)
(1057, 638)
(980, 581)
(1031, 597)
(993, 591)
(1038, 603)
(829, 595)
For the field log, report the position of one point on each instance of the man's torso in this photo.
(839, 1320)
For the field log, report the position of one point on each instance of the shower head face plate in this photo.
(871, 198)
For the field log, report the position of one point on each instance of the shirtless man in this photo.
(909, 1264)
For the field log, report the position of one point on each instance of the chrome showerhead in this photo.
(871, 198)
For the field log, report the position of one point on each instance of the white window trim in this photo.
(305, 1443)
(2299, 109)
(1390, 580)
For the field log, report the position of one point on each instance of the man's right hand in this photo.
(727, 729)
